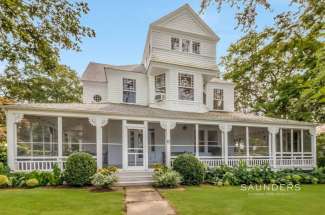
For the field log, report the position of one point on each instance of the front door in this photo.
(135, 148)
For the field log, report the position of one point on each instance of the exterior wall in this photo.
(161, 51)
(228, 95)
(91, 88)
(172, 102)
(115, 86)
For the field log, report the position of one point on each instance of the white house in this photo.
(134, 116)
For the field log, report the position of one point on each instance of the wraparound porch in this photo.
(41, 140)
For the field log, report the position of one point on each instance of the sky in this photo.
(121, 29)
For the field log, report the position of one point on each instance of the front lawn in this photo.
(231, 200)
(59, 201)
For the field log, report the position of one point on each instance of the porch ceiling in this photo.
(147, 112)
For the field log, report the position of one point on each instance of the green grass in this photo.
(232, 201)
(59, 201)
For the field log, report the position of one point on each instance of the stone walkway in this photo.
(146, 201)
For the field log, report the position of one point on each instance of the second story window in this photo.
(160, 86)
(129, 90)
(196, 47)
(174, 43)
(218, 99)
(185, 45)
(185, 87)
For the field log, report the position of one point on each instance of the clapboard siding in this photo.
(91, 88)
(115, 86)
(161, 51)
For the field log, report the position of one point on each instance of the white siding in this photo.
(161, 51)
(228, 94)
(115, 86)
(172, 102)
(94, 88)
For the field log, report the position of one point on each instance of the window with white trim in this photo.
(185, 45)
(218, 99)
(185, 87)
(196, 47)
(160, 86)
(174, 43)
(129, 90)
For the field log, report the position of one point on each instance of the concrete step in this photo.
(134, 178)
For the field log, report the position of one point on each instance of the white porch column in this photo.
(124, 145)
(225, 128)
(60, 143)
(313, 145)
(11, 120)
(272, 133)
(99, 122)
(167, 125)
(145, 145)
(197, 140)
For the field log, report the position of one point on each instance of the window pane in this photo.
(185, 45)
(258, 141)
(237, 141)
(296, 140)
(286, 140)
(196, 47)
(185, 80)
(218, 99)
(186, 94)
(129, 84)
(174, 43)
(129, 97)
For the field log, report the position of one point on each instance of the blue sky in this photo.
(121, 28)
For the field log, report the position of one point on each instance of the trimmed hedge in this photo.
(190, 168)
(79, 168)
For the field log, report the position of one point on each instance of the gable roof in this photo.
(97, 71)
(186, 10)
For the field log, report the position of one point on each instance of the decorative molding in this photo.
(273, 130)
(225, 128)
(18, 117)
(167, 125)
(99, 121)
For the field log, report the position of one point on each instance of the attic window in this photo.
(174, 43)
(185, 45)
(129, 90)
(196, 47)
(218, 99)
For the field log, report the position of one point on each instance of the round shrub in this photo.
(100, 180)
(33, 182)
(166, 178)
(80, 166)
(190, 168)
(4, 181)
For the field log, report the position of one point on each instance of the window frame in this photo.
(188, 45)
(172, 46)
(196, 47)
(183, 87)
(162, 88)
(215, 99)
(129, 91)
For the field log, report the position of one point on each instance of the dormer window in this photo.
(160, 87)
(185, 45)
(196, 47)
(185, 87)
(129, 90)
(175, 43)
(218, 99)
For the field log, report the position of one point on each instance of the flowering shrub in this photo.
(107, 170)
(31, 183)
(100, 180)
(166, 178)
(4, 181)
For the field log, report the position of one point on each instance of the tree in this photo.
(280, 71)
(32, 32)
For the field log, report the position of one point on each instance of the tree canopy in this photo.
(280, 71)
